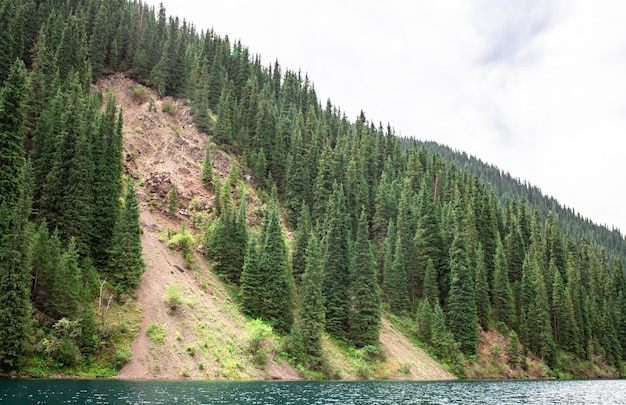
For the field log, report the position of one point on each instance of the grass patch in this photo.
(156, 333)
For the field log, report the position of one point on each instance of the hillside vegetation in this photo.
(290, 242)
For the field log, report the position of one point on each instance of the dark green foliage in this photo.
(481, 288)
(423, 321)
(15, 278)
(563, 318)
(461, 303)
(303, 232)
(107, 152)
(207, 168)
(15, 281)
(431, 290)
(513, 349)
(278, 304)
(502, 295)
(126, 263)
(67, 285)
(13, 104)
(312, 313)
(252, 284)
(566, 288)
(442, 340)
(227, 241)
(336, 264)
(364, 317)
(172, 201)
(396, 281)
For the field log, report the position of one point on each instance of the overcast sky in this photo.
(535, 87)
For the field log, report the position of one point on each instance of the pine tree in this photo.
(15, 278)
(461, 303)
(228, 241)
(126, 263)
(423, 321)
(396, 281)
(172, 201)
(200, 108)
(224, 133)
(67, 284)
(406, 230)
(364, 318)
(71, 54)
(15, 283)
(544, 335)
(303, 232)
(336, 271)
(252, 283)
(13, 105)
(207, 168)
(98, 42)
(442, 339)
(312, 313)
(279, 285)
(107, 152)
(563, 319)
(431, 289)
(502, 295)
(481, 286)
(429, 243)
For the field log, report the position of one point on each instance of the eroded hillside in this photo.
(205, 337)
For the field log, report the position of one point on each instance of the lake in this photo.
(311, 392)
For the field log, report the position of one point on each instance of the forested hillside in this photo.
(506, 187)
(379, 225)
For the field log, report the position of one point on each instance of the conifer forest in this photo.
(357, 224)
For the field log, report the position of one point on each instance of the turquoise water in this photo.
(295, 393)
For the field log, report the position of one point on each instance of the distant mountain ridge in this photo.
(506, 187)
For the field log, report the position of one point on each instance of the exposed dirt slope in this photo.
(407, 362)
(204, 337)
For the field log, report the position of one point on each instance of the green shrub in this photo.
(169, 108)
(257, 336)
(173, 296)
(183, 240)
(122, 356)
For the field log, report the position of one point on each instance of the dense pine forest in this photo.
(380, 225)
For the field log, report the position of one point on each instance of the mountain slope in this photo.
(205, 337)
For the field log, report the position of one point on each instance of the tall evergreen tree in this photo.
(502, 294)
(279, 285)
(126, 264)
(67, 284)
(312, 313)
(336, 260)
(15, 278)
(252, 284)
(396, 280)
(107, 152)
(461, 303)
(481, 286)
(431, 289)
(207, 168)
(303, 232)
(364, 318)
(13, 108)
